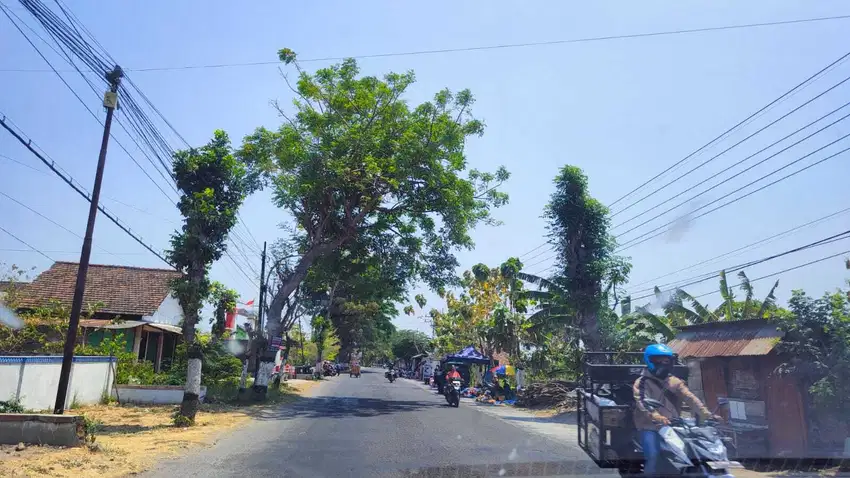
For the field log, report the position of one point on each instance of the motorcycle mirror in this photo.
(652, 403)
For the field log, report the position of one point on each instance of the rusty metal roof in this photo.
(726, 339)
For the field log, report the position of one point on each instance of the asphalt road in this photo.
(370, 427)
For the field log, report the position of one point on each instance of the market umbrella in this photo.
(503, 370)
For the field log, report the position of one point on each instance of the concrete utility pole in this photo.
(110, 101)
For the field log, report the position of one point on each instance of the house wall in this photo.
(169, 312)
(770, 399)
(33, 380)
(95, 336)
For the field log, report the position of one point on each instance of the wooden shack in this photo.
(736, 360)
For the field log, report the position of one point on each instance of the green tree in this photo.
(578, 230)
(407, 343)
(817, 347)
(353, 160)
(212, 183)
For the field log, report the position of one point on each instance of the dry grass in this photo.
(132, 438)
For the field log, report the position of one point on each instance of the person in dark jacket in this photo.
(658, 383)
(439, 380)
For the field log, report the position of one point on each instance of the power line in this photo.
(784, 271)
(69, 231)
(71, 89)
(113, 199)
(27, 244)
(489, 47)
(68, 180)
(138, 119)
(639, 240)
(762, 110)
(733, 128)
(690, 199)
(704, 277)
(742, 248)
(77, 252)
(735, 145)
(529, 252)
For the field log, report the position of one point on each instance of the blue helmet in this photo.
(656, 350)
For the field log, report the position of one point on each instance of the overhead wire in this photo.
(816, 261)
(641, 239)
(79, 98)
(796, 89)
(761, 110)
(738, 267)
(138, 120)
(27, 244)
(709, 160)
(758, 163)
(734, 252)
(55, 223)
(501, 46)
(28, 143)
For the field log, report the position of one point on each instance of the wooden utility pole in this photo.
(110, 101)
(258, 343)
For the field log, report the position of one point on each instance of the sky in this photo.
(623, 110)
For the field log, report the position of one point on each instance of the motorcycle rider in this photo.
(453, 374)
(657, 382)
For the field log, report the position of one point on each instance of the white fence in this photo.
(33, 380)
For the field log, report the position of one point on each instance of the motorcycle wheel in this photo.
(456, 402)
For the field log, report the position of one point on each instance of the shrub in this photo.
(11, 406)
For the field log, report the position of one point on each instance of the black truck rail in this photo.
(606, 431)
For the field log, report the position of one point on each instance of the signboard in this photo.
(276, 343)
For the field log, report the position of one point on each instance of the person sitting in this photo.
(453, 374)
(658, 383)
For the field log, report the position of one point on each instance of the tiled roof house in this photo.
(150, 315)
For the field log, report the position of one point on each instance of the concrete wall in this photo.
(33, 380)
(55, 430)
(153, 394)
(169, 312)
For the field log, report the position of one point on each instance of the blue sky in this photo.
(622, 110)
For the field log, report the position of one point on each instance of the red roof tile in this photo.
(121, 289)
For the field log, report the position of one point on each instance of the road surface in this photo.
(370, 427)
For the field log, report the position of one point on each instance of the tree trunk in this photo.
(589, 326)
(274, 324)
(192, 392)
(192, 389)
(243, 380)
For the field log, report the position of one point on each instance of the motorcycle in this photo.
(691, 449)
(391, 375)
(453, 393)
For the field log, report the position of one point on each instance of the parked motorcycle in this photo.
(453, 393)
(691, 449)
(391, 375)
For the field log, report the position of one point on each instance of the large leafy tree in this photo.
(578, 230)
(407, 343)
(212, 183)
(353, 159)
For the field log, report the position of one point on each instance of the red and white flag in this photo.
(250, 302)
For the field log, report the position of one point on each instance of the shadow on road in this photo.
(340, 407)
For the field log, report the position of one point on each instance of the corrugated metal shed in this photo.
(726, 339)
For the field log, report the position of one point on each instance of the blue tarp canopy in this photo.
(469, 355)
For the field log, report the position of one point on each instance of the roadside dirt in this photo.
(130, 439)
